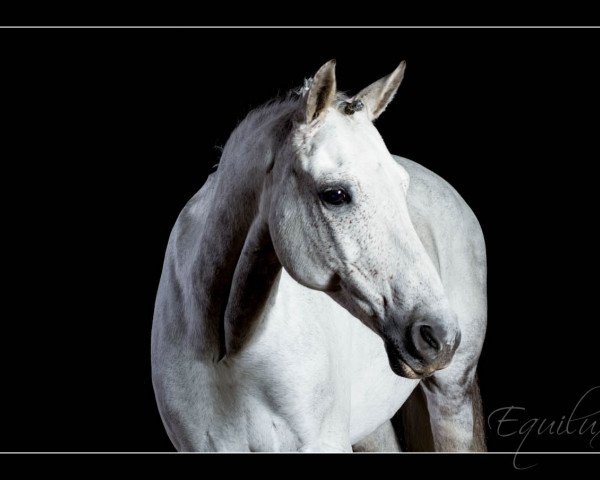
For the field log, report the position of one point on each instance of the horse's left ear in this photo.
(321, 92)
(378, 95)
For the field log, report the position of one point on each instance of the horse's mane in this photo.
(285, 110)
(291, 102)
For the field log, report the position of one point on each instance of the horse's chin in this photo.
(402, 369)
(400, 366)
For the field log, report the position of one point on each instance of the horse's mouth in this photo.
(401, 367)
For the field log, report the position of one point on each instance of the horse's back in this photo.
(444, 221)
(434, 204)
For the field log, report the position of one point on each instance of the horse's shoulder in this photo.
(433, 200)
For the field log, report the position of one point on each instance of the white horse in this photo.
(313, 282)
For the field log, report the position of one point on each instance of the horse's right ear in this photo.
(378, 95)
(321, 92)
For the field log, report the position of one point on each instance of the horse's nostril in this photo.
(427, 334)
(430, 344)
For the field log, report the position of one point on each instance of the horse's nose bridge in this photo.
(405, 242)
(412, 276)
(416, 280)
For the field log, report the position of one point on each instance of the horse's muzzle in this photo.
(425, 348)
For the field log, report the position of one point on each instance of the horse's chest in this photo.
(326, 364)
(376, 392)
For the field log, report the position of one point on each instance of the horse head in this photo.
(339, 222)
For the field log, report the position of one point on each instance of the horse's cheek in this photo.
(285, 237)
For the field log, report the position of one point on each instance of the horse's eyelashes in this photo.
(335, 196)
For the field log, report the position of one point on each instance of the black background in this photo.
(107, 133)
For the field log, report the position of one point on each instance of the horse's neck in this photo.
(232, 266)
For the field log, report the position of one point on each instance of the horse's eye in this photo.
(335, 196)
